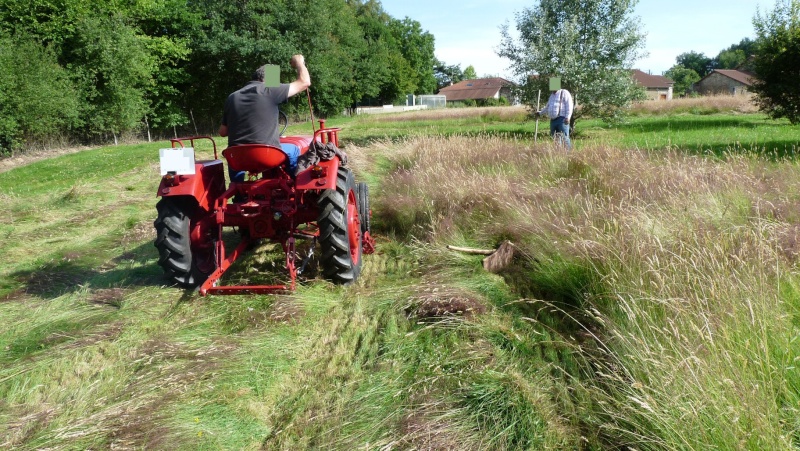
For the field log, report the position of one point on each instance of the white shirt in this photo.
(559, 104)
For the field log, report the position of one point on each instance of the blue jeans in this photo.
(292, 153)
(560, 125)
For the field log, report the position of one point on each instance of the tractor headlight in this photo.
(170, 178)
(317, 172)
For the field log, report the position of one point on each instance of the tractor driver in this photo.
(251, 113)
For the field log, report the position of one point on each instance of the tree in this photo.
(730, 59)
(166, 27)
(469, 73)
(38, 99)
(698, 62)
(590, 44)
(446, 75)
(777, 61)
(373, 69)
(684, 79)
(113, 69)
(736, 56)
(417, 48)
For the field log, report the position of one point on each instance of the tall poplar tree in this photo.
(590, 44)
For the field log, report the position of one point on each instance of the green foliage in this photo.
(447, 75)
(162, 63)
(166, 30)
(684, 79)
(469, 73)
(502, 101)
(591, 45)
(113, 69)
(731, 59)
(698, 62)
(777, 61)
(416, 46)
(39, 101)
(737, 56)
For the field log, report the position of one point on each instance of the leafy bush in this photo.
(39, 101)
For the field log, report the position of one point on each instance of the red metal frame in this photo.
(191, 140)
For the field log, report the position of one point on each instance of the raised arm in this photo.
(303, 81)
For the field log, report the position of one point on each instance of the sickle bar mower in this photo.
(323, 204)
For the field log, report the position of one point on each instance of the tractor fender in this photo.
(206, 185)
(306, 180)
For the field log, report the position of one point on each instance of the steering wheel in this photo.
(283, 122)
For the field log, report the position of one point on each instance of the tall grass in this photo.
(697, 105)
(686, 321)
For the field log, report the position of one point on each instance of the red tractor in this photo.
(322, 203)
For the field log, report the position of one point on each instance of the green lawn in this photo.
(701, 134)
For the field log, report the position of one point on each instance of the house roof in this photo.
(481, 88)
(651, 81)
(742, 77)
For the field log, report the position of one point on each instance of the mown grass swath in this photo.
(653, 302)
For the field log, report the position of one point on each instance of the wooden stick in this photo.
(536, 133)
(471, 250)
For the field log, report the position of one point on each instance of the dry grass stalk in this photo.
(716, 103)
(693, 250)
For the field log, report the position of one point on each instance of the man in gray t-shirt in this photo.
(251, 113)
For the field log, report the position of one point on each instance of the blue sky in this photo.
(467, 32)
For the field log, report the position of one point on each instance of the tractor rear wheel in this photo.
(187, 264)
(340, 230)
(362, 191)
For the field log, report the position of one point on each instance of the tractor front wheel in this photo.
(340, 230)
(189, 264)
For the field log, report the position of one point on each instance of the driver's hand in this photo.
(297, 61)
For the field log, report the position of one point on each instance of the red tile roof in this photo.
(651, 81)
(482, 88)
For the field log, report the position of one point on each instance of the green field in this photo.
(653, 302)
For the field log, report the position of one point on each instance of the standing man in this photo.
(559, 109)
(251, 113)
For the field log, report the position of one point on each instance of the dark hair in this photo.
(258, 75)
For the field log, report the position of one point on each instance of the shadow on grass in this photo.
(135, 268)
(716, 136)
(771, 150)
(683, 123)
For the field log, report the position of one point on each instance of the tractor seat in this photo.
(254, 157)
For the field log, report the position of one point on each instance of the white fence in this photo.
(387, 109)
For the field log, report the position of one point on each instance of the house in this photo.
(479, 89)
(658, 87)
(725, 81)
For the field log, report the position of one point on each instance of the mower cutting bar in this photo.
(249, 289)
(210, 287)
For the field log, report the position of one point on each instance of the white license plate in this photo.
(179, 160)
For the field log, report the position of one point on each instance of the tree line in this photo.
(90, 70)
